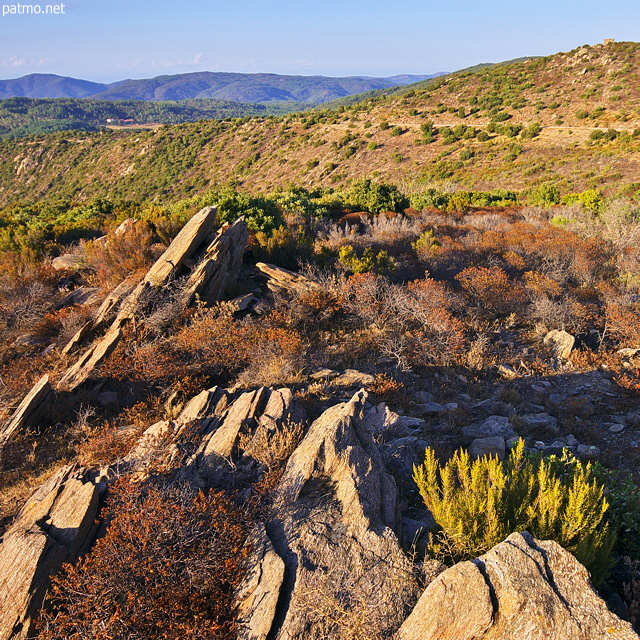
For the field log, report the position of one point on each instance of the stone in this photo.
(628, 353)
(522, 588)
(571, 440)
(507, 372)
(430, 408)
(242, 303)
(81, 296)
(27, 340)
(492, 426)
(69, 262)
(281, 280)
(560, 342)
(616, 428)
(422, 397)
(29, 411)
(534, 421)
(588, 451)
(56, 524)
(494, 446)
(324, 374)
(353, 378)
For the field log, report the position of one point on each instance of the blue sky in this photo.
(107, 40)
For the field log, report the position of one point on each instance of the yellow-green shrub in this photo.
(477, 504)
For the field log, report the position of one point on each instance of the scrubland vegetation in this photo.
(444, 294)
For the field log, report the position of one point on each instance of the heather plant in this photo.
(478, 503)
(166, 568)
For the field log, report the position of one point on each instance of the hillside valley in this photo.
(570, 119)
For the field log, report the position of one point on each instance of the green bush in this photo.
(376, 197)
(426, 243)
(477, 504)
(544, 194)
(379, 263)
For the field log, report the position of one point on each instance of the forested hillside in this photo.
(569, 121)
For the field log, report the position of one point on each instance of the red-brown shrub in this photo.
(121, 253)
(166, 568)
(491, 290)
(623, 322)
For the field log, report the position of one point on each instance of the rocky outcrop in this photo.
(522, 588)
(29, 411)
(334, 526)
(208, 281)
(56, 524)
(220, 264)
(257, 416)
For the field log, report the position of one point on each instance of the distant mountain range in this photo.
(258, 88)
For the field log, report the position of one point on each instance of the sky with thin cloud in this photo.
(108, 40)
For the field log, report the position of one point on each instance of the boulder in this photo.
(491, 427)
(69, 262)
(522, 588)
(334, 524)
(542, 420)
(56, 524)
(560, 342)
(353, 378)
(494, 446)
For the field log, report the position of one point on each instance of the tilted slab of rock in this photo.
(207, 431)
(56, 524)
(29, 411)
(522, 588)
(90, 360)
(174, 261)
(279, 279)
(259, 592)
(228, 257)
(258, 415)
(106, 312)
(183, 247)
(333, 524)
(220, 264)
